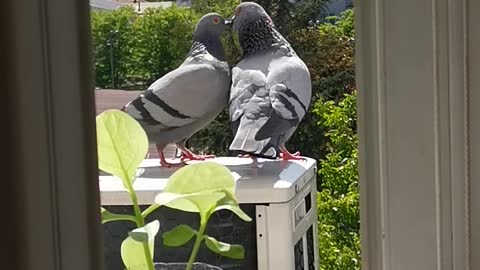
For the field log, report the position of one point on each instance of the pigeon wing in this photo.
(182, 96)
(289, 87)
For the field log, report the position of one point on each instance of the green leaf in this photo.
(201, 177)
(178, 236)
(133, 255)
(201, 202)
(109, 216)
(132, 251)
(146, 233)
(197, 187)
(224, 249)
(230, 203)
(122, 144)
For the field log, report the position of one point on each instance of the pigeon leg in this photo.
(285, 155)
(163, 162)
(188, 155)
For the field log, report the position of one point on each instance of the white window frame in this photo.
(51, 119)
(412, 79)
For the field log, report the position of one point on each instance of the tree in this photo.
(291, 15)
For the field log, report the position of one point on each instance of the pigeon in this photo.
(187, 99)
(271, 87)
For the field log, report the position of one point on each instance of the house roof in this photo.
(105, 4)
(114, 4)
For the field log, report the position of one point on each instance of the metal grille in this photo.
(224, 226)
(298, 251)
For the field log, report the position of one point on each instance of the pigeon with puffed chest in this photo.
(271, 87)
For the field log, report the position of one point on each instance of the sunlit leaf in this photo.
(230, 203)
(224, 249)
(132, 250)
(178, 236)
(146, 233)
(122, 144)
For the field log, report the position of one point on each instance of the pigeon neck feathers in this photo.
(261, 35)
(212, 45)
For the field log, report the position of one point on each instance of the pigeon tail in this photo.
(245, 142)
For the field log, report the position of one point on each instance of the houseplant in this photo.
(202, 188)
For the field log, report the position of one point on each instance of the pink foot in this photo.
(191, 157)
(285, 155)
(296, 154)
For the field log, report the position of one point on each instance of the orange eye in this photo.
(237, 11)
(216, 20)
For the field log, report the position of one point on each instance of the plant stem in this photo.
(149, 210)
(140, 223)
(198, 241)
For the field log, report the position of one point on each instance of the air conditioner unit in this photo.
(280, 196)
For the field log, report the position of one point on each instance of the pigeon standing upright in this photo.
(271, 87)
(188, 98)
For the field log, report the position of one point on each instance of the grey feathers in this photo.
(271, 86)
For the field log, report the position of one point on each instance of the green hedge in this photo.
(145, 47)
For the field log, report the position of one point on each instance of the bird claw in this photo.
(296, 154)
(196, 157)
(290, 156)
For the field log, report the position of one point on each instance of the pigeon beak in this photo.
(230, 21)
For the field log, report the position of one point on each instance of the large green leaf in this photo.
(132, 250)
(201, 177)
(224, 249)
(201, 202)
(133, 255)
(178, 236)
(230, 203)
(122, 144)
(197, 188)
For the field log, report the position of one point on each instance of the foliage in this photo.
(188, 191)
(113, 35)
(144, 47)
(290, 16)
(122, 145)
(338, 208)
(223, 7)
(162, 39)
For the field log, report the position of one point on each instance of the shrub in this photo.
(338, 207)
(112, 34)
(162, 39)
(144, 47)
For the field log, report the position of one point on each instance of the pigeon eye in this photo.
(216, 20)
(237, 11)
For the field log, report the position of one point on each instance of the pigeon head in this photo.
(247, 13)
(256, 30)
(207, 35)
(210, 26)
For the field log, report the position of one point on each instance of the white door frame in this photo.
(413, 129)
